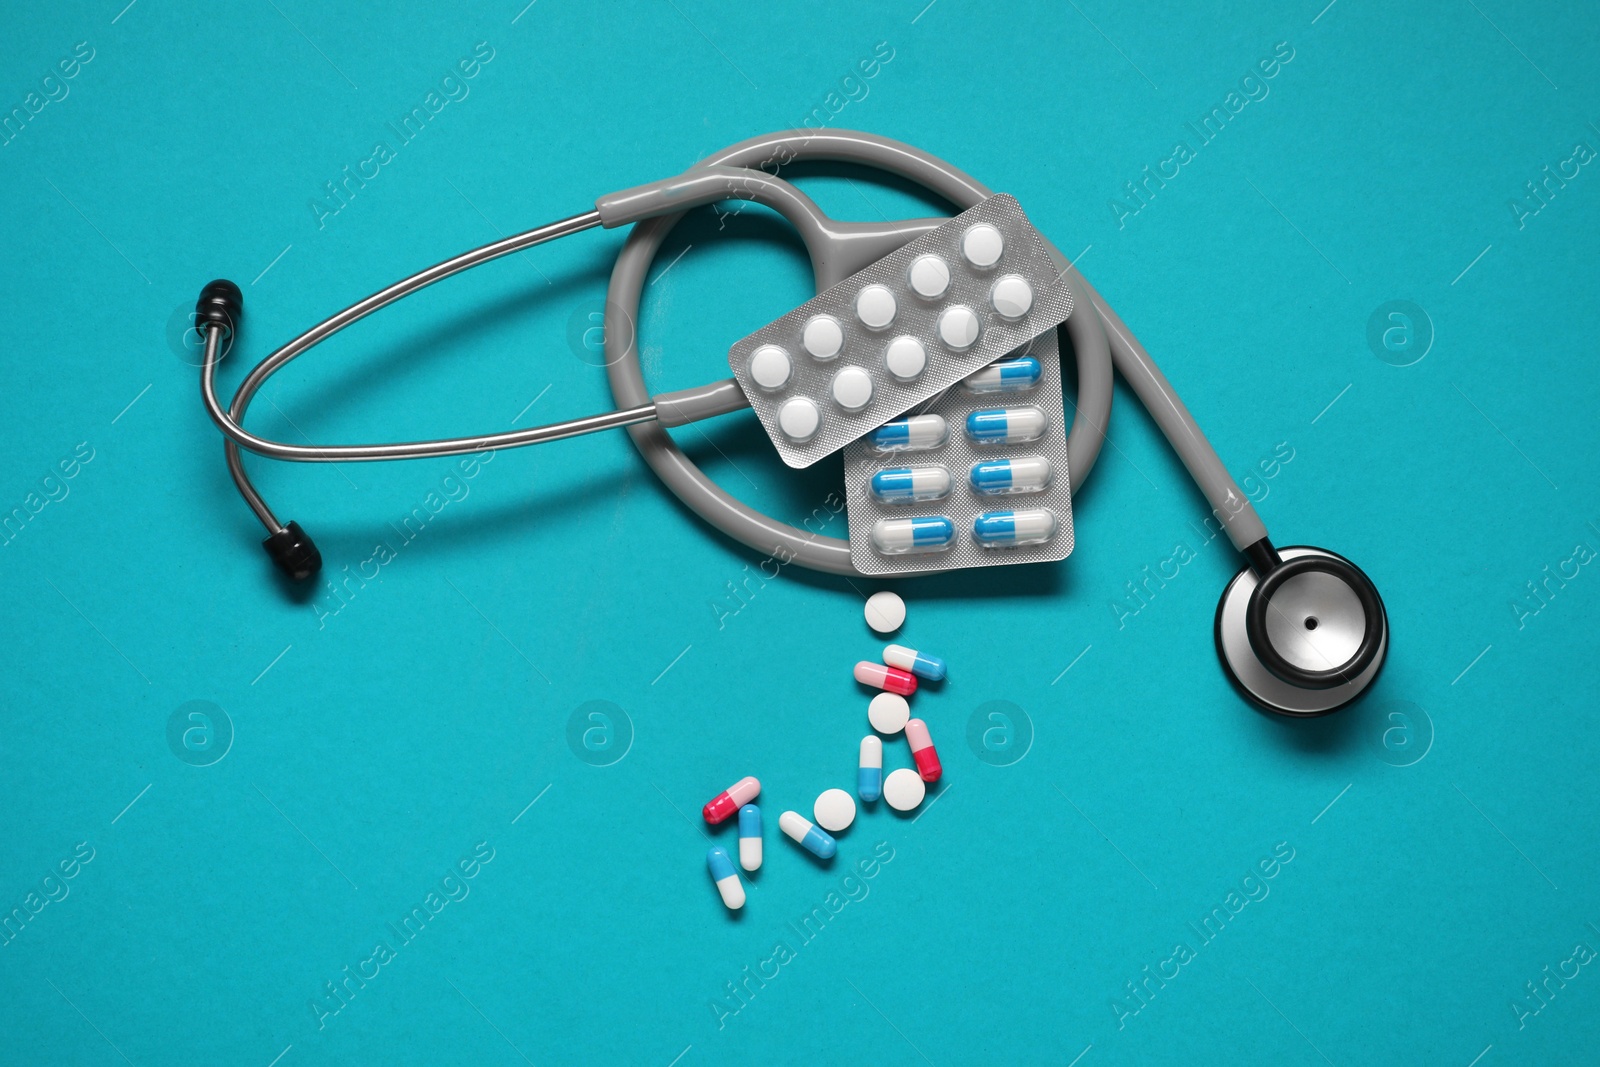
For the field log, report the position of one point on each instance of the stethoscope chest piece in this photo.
(1306, 638)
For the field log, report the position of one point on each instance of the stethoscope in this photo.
(1300, 631)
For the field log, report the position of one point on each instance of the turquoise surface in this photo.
(448, 813)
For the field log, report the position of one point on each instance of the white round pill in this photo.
(903, 789)
(888, 713)
(769, 367)
(823, 337)
(852, 388)
(875, 307)
(929, 277)
(799, 419)
(885, 612)
(959, 327)
(906, 358)
(835, 810)
(982, 245)
(1011, 297)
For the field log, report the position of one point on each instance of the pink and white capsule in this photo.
(880, 676)
(922, 750)
(725, 804)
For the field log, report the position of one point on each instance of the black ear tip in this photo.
(294, 553)
(220, 303)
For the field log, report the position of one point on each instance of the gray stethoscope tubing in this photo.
(1088, 334)
(1265, 652)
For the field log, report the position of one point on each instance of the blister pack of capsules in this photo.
(904, 329)
(976, 477)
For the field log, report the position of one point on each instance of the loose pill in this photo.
(852, 388)
(798, 419)
(726, 877)
(750, 837)
(902, 485)
(770, 368)
(835, 810)
(982, 245)
(1006, 426)
(905, 358)
(823, 337)
(958, 327)
(722, 806)
(923, 533)
(903, 790)
(1024, 474)
(888, 713)
(914, 434)
(1007, 376)
(879, 676)
(799, 829)
(1006, 529)
(1011, 297)
(885, 612)
(929, 277)
(875, 307)
(922, 751)
(909, 659)
(869, 778)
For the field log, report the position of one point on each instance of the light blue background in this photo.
(375, 748)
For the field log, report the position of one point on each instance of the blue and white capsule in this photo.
(905, 485)
(869, 778)
(1023, 474)
(912, 434)
(807, 835)
(1008, 529)
(1007, 376)
(909, 659)
(1006, 426)
(750, 837)
(727, 879)
(921, 533)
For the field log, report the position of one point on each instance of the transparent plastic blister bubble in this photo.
(975, 477)
(902, 330)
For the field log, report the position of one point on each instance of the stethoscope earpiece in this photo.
(1301, 631)
(220, 304)
(291, 550)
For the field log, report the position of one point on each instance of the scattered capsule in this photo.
(922, 751)
(1007, 376)
(1006, 426)
(726, 877)
(869, 778)
(892, 679)
(902, 485)
(1007, 529)
(750, 837)
(1025, 474)
(722, 807)
(909, 659)
(923, 533)
(911, 434)
(802, 831)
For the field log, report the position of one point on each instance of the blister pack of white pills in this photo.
(902, 330)
(976, 477)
